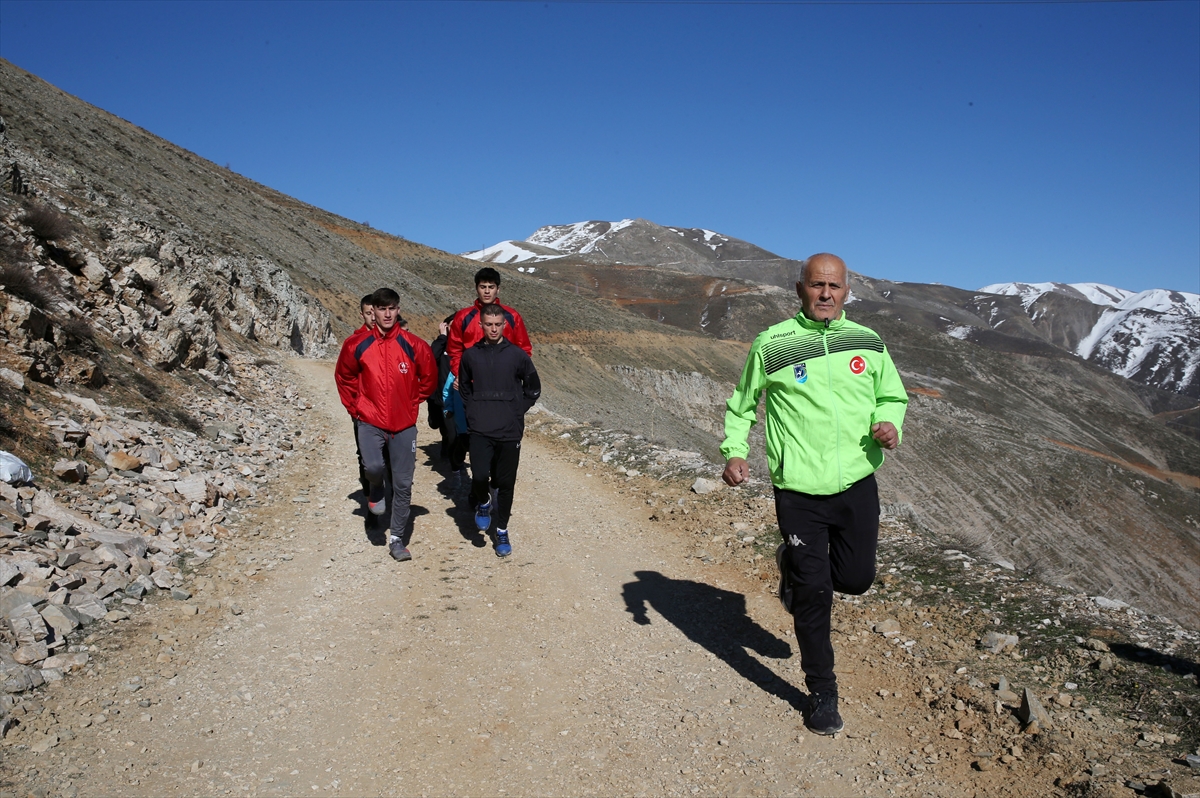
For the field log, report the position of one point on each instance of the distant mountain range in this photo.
(1152, 337)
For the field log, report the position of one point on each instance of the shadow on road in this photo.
(375, 527)
(715, 619)
(456, 488)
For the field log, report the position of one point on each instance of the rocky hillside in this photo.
(138, 275)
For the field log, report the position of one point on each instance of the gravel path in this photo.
(597, 659)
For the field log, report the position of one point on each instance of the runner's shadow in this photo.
(434, 459)
(715, 619)
(464, 518)
(415, 511)
(1133, 652)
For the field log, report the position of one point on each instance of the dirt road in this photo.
(597, 659)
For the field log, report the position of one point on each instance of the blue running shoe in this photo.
(483, 516)
(503, 548)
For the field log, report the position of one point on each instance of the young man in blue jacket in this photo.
(498, 384)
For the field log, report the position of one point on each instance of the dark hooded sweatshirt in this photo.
(498, 384)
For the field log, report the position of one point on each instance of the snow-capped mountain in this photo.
(1096, 293)
(1151, 337)
(641, 242)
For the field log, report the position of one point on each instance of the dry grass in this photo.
(80, 335)
(47, 223)
(20, 282)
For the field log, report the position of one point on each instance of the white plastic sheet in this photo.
(13, 470)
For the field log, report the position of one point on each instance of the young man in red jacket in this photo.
(465, 330)
(382, 380)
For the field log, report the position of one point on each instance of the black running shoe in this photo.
(822, 716)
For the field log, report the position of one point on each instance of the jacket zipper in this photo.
(837, 421)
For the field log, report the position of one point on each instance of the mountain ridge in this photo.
(1151, 336)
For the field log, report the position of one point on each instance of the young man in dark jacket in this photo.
(383, 380)
(498, 385)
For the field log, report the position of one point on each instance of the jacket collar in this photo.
(809, 324)
(391, 334)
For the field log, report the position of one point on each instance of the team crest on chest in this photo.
(801, 372)
(403, 367)
(858, 365)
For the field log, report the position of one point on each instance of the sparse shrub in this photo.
(47, 223)
(79, 333)
(10, 253)
(163, 304)
(20, 282)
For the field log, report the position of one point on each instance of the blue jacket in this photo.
(452, 404)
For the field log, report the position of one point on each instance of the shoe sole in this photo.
(825, 732)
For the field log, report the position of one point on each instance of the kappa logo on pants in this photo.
(795, 540)
(414, 444)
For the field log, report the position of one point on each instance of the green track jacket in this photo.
(825, 387)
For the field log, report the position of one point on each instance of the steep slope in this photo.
(224, 244)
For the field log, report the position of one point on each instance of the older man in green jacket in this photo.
(834, 403)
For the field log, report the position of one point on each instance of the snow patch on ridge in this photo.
(577, 238)
(508, 252)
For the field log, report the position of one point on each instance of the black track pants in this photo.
(831, 546)
(495, 462)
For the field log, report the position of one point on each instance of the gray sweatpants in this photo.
(402, 452)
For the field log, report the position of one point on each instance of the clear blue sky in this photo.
(958, 143)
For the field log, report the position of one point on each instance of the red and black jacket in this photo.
(465, 332)
(350, 394)
(382, 379)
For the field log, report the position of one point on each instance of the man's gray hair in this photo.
(802, 268)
